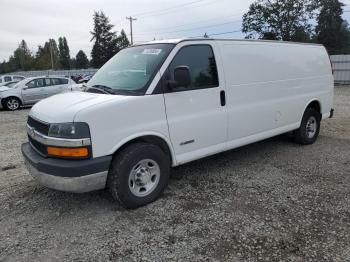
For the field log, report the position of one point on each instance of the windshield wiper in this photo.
(109, 90)
(127, 92)
(102, 88)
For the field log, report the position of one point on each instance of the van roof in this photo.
(179, 40)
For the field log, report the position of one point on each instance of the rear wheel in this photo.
(12, 103)
(139, 175)
(309, 129)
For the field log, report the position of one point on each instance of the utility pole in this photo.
(131, 19)
(50, 41)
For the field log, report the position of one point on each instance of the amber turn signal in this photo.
(68, 152)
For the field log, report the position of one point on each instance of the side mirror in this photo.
(182, 76)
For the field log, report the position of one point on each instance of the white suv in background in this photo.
(10, 78)
(31, 90)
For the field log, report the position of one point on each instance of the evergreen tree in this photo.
(64, 56)
(8, 67)
(105, 45)
(44, 54)
(21, 60)
(73, 63)
(331, 30)
(82, 62)
(122, 41)
(22, 57)
(279, 20)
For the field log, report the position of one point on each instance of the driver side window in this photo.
(36, 83)
(202, 65)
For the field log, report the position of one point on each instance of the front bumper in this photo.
(76, 176)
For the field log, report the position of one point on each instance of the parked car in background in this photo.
(76, 87)
(10, 78)
(85, 78)
(31, 90)
(9, 84)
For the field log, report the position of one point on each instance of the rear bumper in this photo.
(76, 176)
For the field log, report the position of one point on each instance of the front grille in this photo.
(38, 126)
(38, 146)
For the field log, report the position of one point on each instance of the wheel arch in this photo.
(152, 138)
(7, 97)
(315, 104)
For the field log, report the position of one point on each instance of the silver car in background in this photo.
(31, 90)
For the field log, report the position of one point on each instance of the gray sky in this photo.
(38, 20)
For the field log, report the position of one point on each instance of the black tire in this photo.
(122, 165)
(12, 103)
(302, 135)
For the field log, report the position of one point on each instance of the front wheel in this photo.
(12, 103)
(309, 129)
(139, 175)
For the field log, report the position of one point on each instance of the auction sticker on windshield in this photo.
(151, 51)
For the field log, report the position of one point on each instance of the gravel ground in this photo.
(270, 201)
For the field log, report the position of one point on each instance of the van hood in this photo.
(63, 107)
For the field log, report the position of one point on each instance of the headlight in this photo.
(69, 130)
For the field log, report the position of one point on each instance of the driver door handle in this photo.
(223, 98)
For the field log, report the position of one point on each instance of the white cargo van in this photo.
(166, 103)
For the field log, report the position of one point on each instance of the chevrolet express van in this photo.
(166, 103)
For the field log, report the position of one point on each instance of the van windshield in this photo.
(130, 71)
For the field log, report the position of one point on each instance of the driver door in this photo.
(197, 115)
(33, 91)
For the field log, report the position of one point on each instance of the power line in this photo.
(200, 36)
(215, 34)
(169, 8)
(195, 28)
(178, 10)
(141, 15)
(198, 22)
(226, 33)
(167, 11)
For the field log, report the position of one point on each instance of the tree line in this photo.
(56, 55)
(311, 21)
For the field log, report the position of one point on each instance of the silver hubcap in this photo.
(311, 127)
(12, 104)
(144, 177)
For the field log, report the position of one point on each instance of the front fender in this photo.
(3, 98)
(143, 134)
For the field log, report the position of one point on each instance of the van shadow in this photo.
(248, 154)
